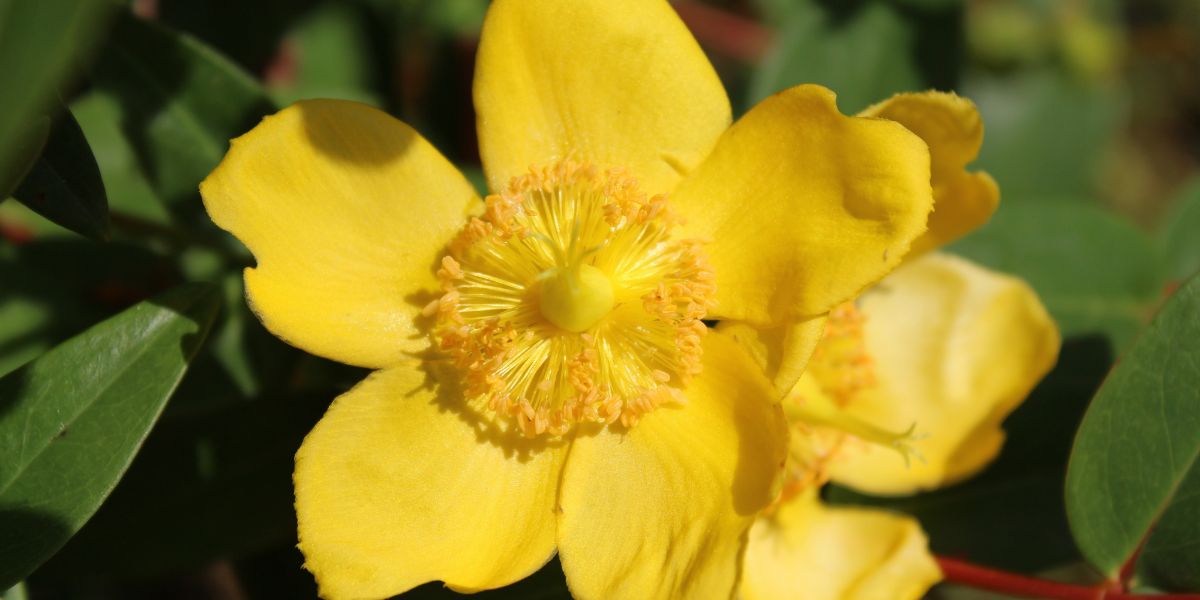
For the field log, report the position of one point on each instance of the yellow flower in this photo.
(813, 552)
(940, 344)
(544, 380)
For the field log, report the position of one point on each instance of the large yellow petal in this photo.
(805, 207)
(810, 551)
(395, 488)
(782, 352)
(951, 126)
(619, 83)
(346, 210)
(955, 348)
(662, 510)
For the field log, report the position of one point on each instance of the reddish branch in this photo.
(1130, 565)
(965, 573)
(724, 32)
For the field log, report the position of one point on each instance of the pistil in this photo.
(575, 297)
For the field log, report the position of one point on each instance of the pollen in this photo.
(840, 361)
(570, 302)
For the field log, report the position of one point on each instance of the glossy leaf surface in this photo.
(1136, 461)
(64, 184)
(71, 420)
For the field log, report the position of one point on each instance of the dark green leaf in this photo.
(243, 362)
(41, 43)
(181, 104)
(25, 146)
(864, 55)
(129, 192)
(933, 5)
(775, 11)
(248, 33)
(216, 485)
(1011, 515)
(449, 17)
(56, 287)
(1181, 233)
(1095, 273)
(64, 184)
(1136, 461)
(71, 421)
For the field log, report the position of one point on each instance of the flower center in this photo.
(569, 302)
(575, 298)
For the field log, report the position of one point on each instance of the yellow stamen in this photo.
(841, 363)
(569, 302)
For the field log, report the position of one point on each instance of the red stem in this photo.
(965, 573)
(1130, 566)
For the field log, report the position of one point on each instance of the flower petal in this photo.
(781, 352)
(345, 209)
(619, 83)
(951, 126)
(805, 207)
(807, 550)
(661, 511)
(956, 348)
(394, 489)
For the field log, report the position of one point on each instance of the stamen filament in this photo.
(820, 412)
(568, 301)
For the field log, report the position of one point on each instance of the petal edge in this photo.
(395, 489)
(618, 83)
(345, 210)
(805, 207)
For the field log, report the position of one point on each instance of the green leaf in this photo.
(25, 146)
(129, 192)
(71, 421)
(42, 43)
(332, 56)
(205, 487)
(64, 185)
(16, 592)
(1095, 273)
(181, 104)
(864, 56)
(1136, 461)
(55, 287)
(1011, 515)
(1179, 233)
(1045, 134)
(932, 5)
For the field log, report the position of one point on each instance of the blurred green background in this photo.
(1092, 110)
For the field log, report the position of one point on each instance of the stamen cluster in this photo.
(840, 361)
(524, 370)
(839, 373)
